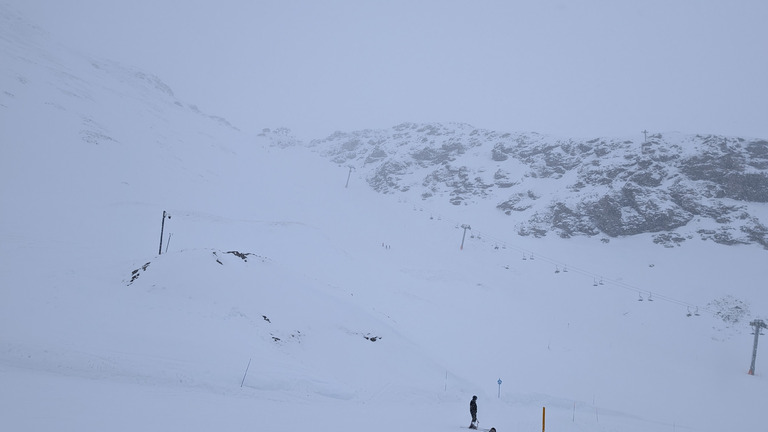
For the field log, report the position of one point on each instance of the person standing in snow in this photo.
(473, 411)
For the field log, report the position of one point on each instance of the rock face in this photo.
(674, 186)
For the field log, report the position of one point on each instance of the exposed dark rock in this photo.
(668, 240)
(136, 273)
(672, 185)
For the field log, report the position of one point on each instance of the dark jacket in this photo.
(473, 407)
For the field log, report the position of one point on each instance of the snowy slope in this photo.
(350, 309)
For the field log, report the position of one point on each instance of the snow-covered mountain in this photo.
(287, 294)
(674, 186)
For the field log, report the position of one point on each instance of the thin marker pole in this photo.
(168, 242)
(246, 373)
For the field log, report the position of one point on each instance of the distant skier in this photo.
(473, 411)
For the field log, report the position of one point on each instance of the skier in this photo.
(473, 411)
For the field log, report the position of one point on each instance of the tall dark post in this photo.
(349, 175)
(645, 136)
(758, 325)
(466, 227)
(162, 227)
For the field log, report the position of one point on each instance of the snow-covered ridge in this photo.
(37, 69)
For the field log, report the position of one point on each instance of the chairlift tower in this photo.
(162, 227)
(349, 175)
(757, 324)
(466, 227)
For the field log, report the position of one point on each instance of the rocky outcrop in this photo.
(674, 186)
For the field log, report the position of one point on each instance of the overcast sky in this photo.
(580, 68)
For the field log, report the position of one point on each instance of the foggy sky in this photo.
(570, 68)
